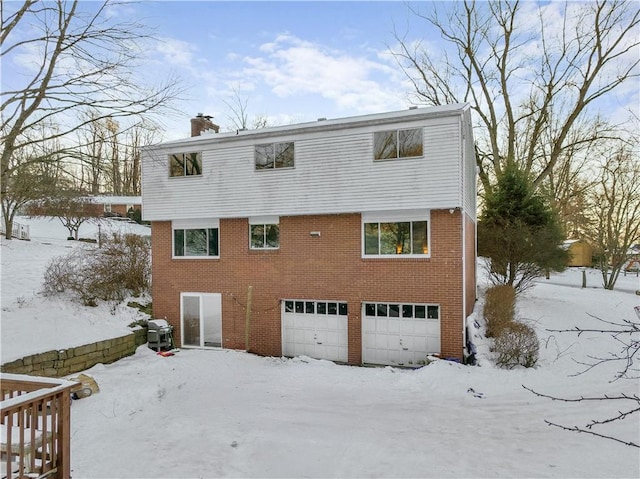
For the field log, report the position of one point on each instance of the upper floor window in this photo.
(195, 242)
(397, 144)
(274, 155)
(185, 164)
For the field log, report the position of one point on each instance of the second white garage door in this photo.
(317, 329)
(399, 334)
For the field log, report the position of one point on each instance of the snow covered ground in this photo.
(223, 413)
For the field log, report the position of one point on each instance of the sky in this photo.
(296, 61)
(226, 413)
(290, 61)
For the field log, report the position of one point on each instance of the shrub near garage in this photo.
(499, 309)
(515, 343)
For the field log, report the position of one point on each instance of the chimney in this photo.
(202, 123)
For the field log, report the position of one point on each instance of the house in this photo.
(352, 240)
(580, 252)
(117, 205)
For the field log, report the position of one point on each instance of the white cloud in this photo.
(295, 67)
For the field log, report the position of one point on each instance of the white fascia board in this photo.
(199, 142)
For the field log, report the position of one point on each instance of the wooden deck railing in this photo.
(35, 429)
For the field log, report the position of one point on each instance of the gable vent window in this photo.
(185, 164)
(274, 155)
(397, 144)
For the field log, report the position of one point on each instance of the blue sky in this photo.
(294, 61)
(290, 61)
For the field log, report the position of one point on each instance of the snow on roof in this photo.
(117, 200)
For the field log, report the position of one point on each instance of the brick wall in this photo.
(328, 267)
(470, 263)
(68, 361)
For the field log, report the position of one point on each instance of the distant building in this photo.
(580, 252)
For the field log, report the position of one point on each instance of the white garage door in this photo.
(399, 334)
(317, 329)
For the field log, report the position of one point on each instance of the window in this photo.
(408, 311)
(397, 144)
(264, 236)
(185, 164)
(396, 238)
(316, 307)
(274, 155)
(195, 242)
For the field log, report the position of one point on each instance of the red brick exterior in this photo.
(328, 267)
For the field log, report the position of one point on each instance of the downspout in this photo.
(463, 239)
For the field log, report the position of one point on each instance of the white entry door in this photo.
(399, 334)
(317, 329)
(201, 319)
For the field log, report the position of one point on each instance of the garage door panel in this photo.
(389, 325)
(405, 340)
(308, 329)
(420, 327)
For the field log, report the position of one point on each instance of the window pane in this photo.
(322, 308)
(284, 155)
(384, 145)
(272, 236)
(176, 165)
(395, 238)
(407, 311)
(420, 312)
(410, 143)
(299, 306)
(332, 308)
(370, 309)
(432, 312)
(257, 236)
(193, 164)
(178, 242)
(213, 242)
(388, 238)
(342, 309)
(371, 238)
(196, 242)
(381, 310)
(420, 245)
(394, 310)
(288, 306)
(264, 156)
(309, 307)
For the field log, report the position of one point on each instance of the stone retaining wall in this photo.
(68, 361)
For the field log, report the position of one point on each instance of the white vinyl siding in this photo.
(334, 173)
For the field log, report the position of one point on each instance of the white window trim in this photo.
(395, 217)
(264, 220)
(191, 224)
(273, 143)
(169, 155)
(397, 130)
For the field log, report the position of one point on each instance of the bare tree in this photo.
(71, 208)
(531, 83)
(85, 58)
(626, 334)
(135, 138)
(238, 112)
(37, 178)
(615, 202)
